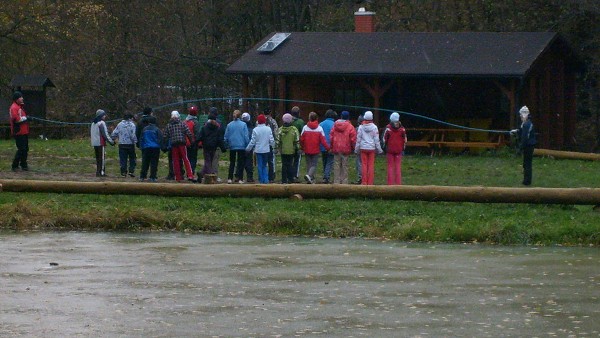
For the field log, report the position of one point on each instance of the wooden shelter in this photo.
(477, 79)
(33, 88)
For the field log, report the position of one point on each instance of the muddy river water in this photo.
(177, 285)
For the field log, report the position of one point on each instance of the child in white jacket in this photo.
(367, 143)
(262, 141)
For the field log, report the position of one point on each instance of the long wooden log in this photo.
(476, 194)
(570, 155)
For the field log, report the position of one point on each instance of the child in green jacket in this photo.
(287, 145)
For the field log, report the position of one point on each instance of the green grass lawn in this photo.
(397, 220)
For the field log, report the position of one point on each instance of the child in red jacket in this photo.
(394, 142)
(312, 136)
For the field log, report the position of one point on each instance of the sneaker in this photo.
(192, 180)
(219, 180)
(308, 179)
(250, 181)
(142, 179)
(123, 174)
(153, 180)
(131, 175)
(359, 181)
(229, 181)
(241, 182)
(325, 181)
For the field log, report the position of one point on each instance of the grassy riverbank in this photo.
(398, 220)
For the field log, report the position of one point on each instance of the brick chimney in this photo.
(364, 22)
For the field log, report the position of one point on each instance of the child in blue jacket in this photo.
(150, 143)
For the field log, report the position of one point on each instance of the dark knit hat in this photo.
(17, 95)
(127, 116)
(213, 110)
(345, 115)
(330, 114)
(212, 116)
(147, 111)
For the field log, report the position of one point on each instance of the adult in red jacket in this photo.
(343, 140)
(394, 142)
(312, 136)
(19, 128)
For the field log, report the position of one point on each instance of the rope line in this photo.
(240, 99)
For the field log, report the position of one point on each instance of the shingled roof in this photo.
(31, 81)
(487, 54)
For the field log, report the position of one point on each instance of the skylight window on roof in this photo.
(273, 42)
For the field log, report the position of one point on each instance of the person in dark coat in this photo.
(527, 142)
(211, 137)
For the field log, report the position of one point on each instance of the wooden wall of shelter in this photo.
(549, 90)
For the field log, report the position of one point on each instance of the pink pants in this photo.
(180, 153)
(367, 158)
(394, 169)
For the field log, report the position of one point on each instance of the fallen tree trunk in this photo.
(584, 196)
(570, 155)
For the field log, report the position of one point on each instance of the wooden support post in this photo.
(376, 91)
(282, 89)
(510, 93)
(271, 93)
(245, 91)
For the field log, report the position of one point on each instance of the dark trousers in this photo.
(297, 159)
(237, 159)
(22, 142)
(249, 167)
(271, 165)
(327, 164)
(209, 154)
(100, 161)
(192, 153)
(127, 155)
(527, 164)
(288, 172)
(150, 158)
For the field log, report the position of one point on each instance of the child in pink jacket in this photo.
(343, 140)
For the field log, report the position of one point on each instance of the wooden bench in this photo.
(440, 139)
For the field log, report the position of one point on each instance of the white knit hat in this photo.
(245, 117)
(524, 111)
(395, 117)
(368, 115)
(287, 118)
(174, 114)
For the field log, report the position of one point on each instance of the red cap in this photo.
(261, 119)
(193, 110)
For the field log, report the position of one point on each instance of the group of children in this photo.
(334, 139)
